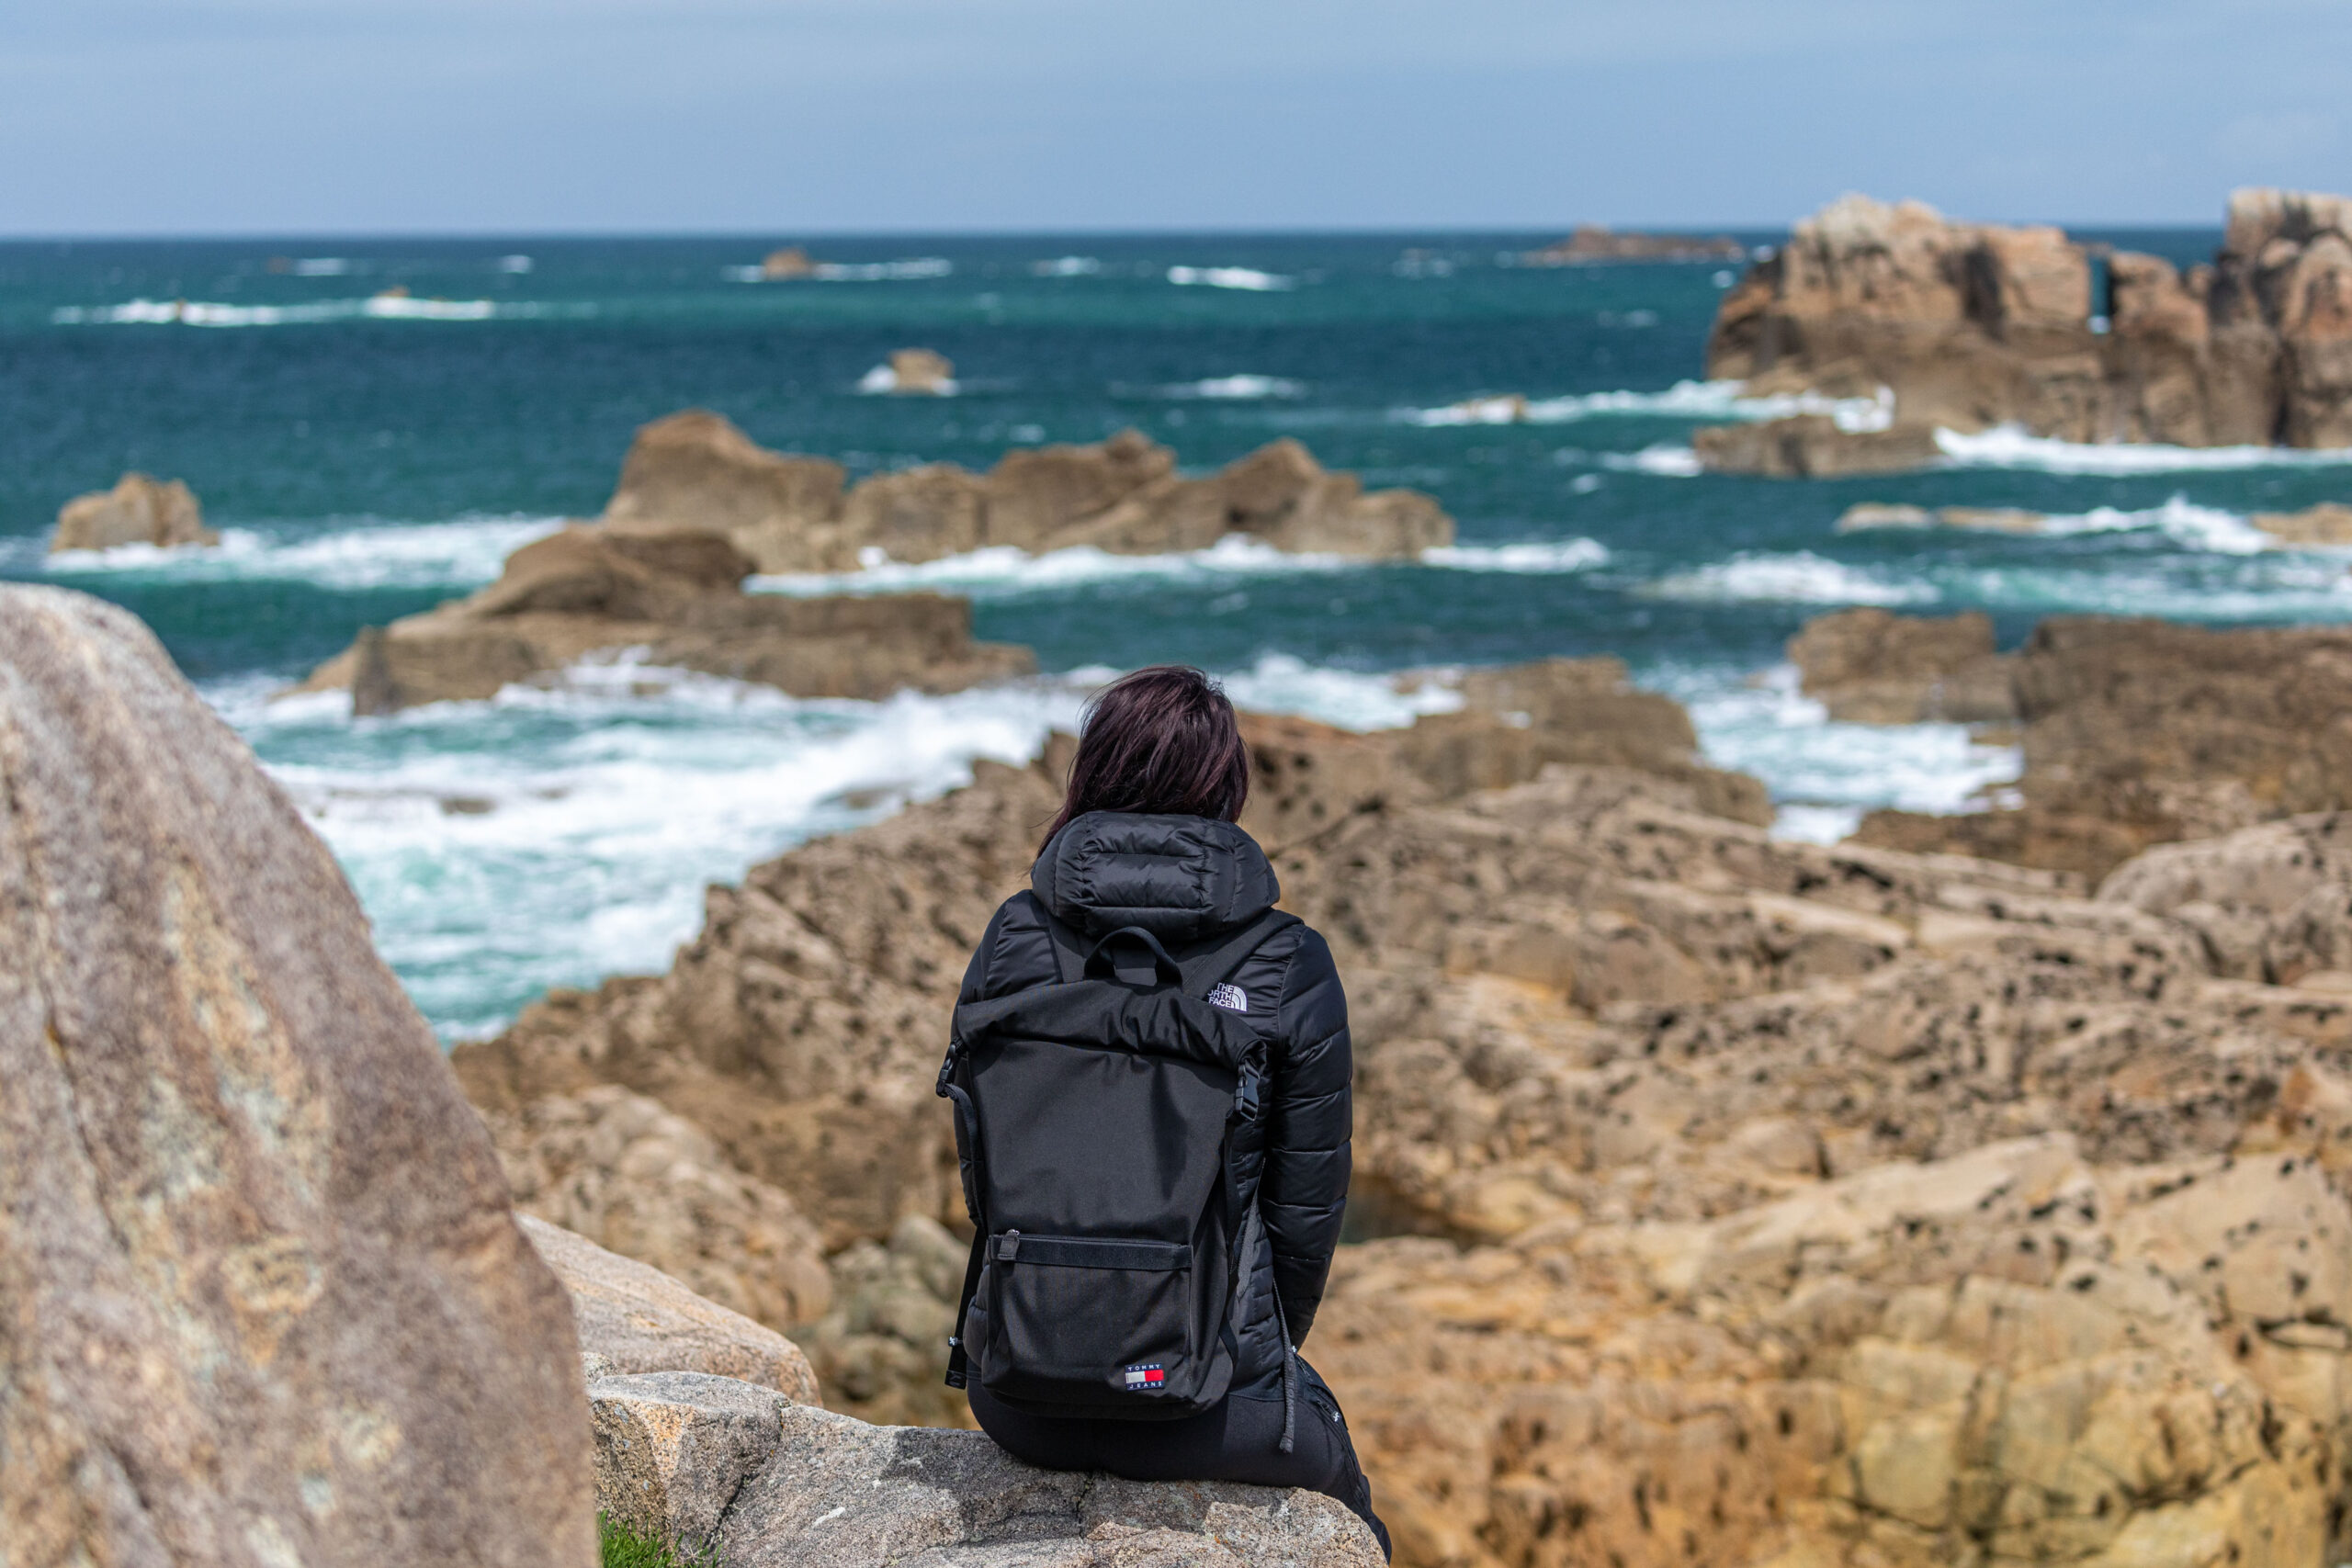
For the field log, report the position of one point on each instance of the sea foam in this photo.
(2007, 447)
(556, 835)
(1797, 577)
(462, 554)
(1243, 278)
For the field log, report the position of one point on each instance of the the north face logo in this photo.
(1232, 998)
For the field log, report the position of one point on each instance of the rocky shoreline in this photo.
(1719, 1198)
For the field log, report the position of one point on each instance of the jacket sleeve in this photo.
(1305, 1190)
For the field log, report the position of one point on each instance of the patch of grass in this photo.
(624, 1548)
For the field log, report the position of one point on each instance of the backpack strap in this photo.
(1206, 970)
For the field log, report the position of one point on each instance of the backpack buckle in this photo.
(1007, 1247)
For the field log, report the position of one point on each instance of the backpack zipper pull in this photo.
(1007, 1247)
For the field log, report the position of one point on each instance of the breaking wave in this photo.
(2006, 447)
(1243, 278)
(463, 554)
(1684, 399)
(1796, 578)
(374, 308)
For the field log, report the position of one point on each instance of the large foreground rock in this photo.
(1978, 324)
(763, 1482)
(675, 595)
(138, 510)
(790, 514)
(262, 1298)
(2142, 732)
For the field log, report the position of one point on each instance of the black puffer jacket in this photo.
(1187, 880)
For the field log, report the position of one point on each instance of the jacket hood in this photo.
(1180, 878)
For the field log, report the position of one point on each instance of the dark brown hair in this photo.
(1163, 741)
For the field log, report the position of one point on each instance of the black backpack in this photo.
(1110, 1139)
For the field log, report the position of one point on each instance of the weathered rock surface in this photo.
(633, 1318)
(138, 510)
(802, 1029)
(262, 1297)
(1868, 667)
(2328, 525)
(629, 1175)
(766, 1483)
(1598, 242)
(918, 371)
(790, 514)
(1867, 516)
(676, 595)
(1744, 1200)
(878, 1353)
(2142, 732)
(1813, 446)
(1977, 325)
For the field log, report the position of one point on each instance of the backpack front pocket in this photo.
(1076, 1320)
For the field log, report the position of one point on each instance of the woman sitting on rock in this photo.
(1151, 1075)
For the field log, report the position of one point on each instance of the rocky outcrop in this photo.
(877, 1352)
(802, 1029)
(625, 1173)
(1597, 243)
(632, 1318)
(676, 595)
(262, 1297)
(2327, 525)
(138, 510)
(758, 1482)
(1813, 446)
(1977, 325)
(790, 514)
(2141, 732)
(1869, 667)
(1732, 1200)
(919, 371)
(1867, 516)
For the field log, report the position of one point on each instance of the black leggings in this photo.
(1238, 1439)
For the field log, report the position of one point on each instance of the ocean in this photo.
(366, 457)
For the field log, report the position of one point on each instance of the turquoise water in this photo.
(366, 464)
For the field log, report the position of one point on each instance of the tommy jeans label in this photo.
(1232, 998)
(1145, 1378)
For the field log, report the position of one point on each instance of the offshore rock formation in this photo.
(2141, 732)
(2328, 525)
(1869, 515)
(1869, 667)
(261, 1298)
(1813, 446)
(675, 593)
(138, 510)
(757, 1480)
(1977, 325)
(791, 515)
(1597, 243)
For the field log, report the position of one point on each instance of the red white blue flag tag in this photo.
(1144, 1379)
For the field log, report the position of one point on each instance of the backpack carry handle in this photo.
(1099, 959)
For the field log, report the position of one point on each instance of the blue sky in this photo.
(808, 116)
